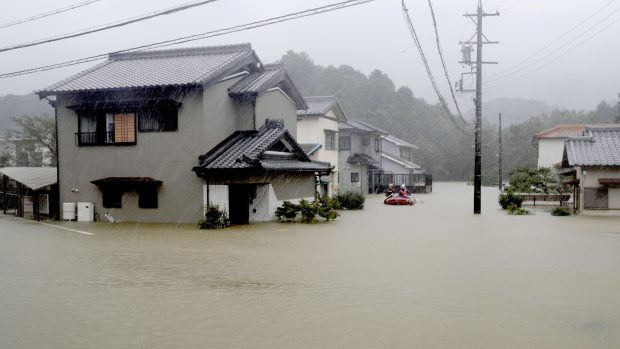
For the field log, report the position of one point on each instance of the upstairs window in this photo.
(330, 140)
(365, 141)
(344, 143)
(158, 120)
(118, 123)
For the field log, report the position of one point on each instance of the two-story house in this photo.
(397, 156)
(144, 136)
(359, 154)
(317, 133)
(593, 160)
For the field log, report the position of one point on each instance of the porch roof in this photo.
(32, 177)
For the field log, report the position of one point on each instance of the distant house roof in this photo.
(321, 105)
(33, 177)
(357, 125)
(270, 148)
(178, 67)
(562, 131)
(600, 146)
(399, 142)
(362, 159)
(310, 148)
(271, 76)
(402, 162)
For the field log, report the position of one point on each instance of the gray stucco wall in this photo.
(276, 105)
(204, 120)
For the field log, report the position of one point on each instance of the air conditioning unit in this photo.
(68, 211)
(86, 211)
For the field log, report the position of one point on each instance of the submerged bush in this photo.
(214, 218)
(517, 211)
(509, 198)
(306, 211)
(561, 211)
(351, 200)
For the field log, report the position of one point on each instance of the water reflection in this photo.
(432, 275)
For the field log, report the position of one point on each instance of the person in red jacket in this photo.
(404, 192)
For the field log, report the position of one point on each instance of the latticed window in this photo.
(595, 198)
(344, 143)
(355, 177)
(330, 140)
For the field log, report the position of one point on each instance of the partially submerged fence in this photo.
(417, 183)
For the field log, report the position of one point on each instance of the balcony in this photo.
(102, 138)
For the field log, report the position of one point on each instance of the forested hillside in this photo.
(19, 105)
(443, 150)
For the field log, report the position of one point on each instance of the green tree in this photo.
(32, 141)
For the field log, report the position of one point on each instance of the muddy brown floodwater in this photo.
(429, 276)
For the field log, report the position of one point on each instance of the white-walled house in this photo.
(594, 161)
(317, 134)
(551, 143)
(396, 156)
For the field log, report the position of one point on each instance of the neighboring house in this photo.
(317, 133)
(130, 131)
(397, 156)
(32, 191)
(594, 162)
(551, 143)
(359, 154)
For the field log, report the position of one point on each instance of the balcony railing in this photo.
(97, 138)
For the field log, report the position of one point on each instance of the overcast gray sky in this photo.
(367, 37)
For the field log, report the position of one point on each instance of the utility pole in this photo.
(478, 63)
(501, 179)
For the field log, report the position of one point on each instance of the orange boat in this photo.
(397, 200)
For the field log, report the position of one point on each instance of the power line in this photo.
(553, 42)
(47, 14)
(442, 101)
(110, 25)
(443, 63)
(556, 58)
(219, 32)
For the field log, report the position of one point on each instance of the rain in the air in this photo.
(309, 174)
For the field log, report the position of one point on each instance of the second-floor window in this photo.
(106, 128)
(119, 125)
(365, 141)
(330, 140)
(405, 154)
(344, 143)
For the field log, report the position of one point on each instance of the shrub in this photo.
(214, 219)
(306, 211)
(287, 212)
(509, 198)
(561, 211)
(517, 211)
(351, 200)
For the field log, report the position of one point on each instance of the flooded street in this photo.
(429, 276)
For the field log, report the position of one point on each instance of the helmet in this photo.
(402, 186)
(391, 185)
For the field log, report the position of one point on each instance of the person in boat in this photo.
(390, 191)
(404, 192)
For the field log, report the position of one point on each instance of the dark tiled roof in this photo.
(271, 148)
(600, 146)
(362, 159)
(360, 126)
(318, 105)
(272, 75)
(310, 148)
(179, 67)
